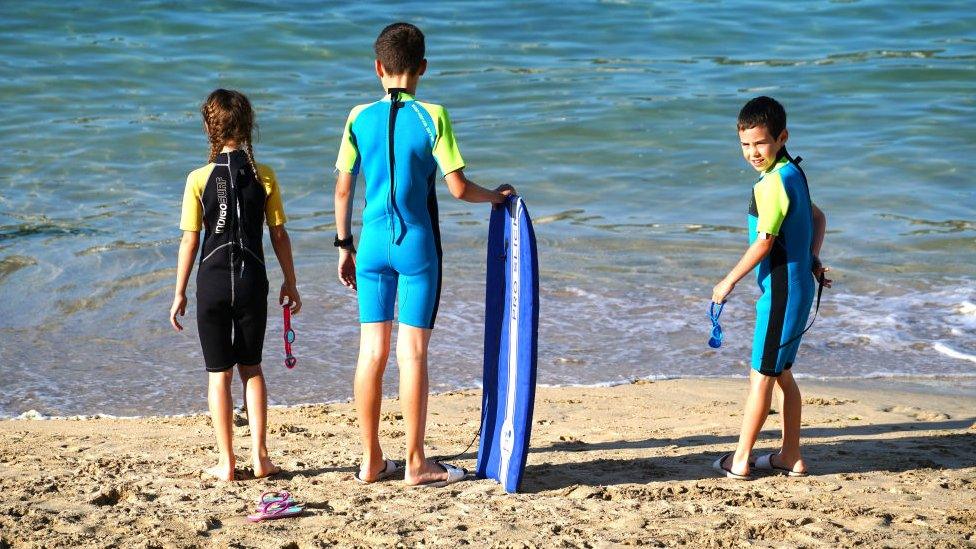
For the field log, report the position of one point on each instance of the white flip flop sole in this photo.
(390, 468)
(717, 465)
(454, 474)
(765, 463)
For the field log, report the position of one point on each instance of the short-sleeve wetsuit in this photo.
(225, 198)
(398, 143)
(781, 207)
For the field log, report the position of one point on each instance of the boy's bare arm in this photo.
(345, 185)
(184, 265)
(463, 188)
(754, 254)
(282, 248)
(819, 230)
(343, 204)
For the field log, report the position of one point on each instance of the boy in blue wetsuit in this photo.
(398, 143)
(786, 231)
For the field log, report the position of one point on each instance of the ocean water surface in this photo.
(615, 120)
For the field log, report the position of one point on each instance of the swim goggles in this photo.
(290, 360)
(715, 341)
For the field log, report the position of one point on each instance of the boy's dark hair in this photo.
(400, 48)
(763, 111)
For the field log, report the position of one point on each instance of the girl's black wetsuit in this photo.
(226, 199)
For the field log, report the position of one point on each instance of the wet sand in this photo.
(609, 466)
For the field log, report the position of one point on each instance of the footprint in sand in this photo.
(917, 413)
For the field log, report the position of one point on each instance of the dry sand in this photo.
(609, 466)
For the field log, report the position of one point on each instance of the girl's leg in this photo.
(412, 346)
(222, 416)
(757, 408)
(256, 398)
(374, 351)
(792, 401)
(243, 407)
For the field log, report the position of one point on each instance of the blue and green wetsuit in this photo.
(398, 143)
(781, 207)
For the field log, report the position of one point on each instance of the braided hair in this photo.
(228, 116)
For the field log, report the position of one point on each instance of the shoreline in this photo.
(933, 384)
(609, 465)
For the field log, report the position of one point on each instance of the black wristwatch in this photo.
(345, 243)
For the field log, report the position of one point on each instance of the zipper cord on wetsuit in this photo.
(231, 224)
(394, 105)
(820, 287)
(238, 230)
(237, 212)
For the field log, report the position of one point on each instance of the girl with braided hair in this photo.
(231, 198)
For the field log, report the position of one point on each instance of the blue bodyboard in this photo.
(511, 345)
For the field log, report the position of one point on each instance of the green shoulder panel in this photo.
(772, 203)
(348, 158)
(446, 151)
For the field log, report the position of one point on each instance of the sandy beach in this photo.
(625, 465)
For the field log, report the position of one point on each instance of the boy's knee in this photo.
(787, 383)
(411, 356)
(762, 381)
(373, 358)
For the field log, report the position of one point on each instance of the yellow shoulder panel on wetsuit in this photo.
(772, 203)
(348, 159)
(446, 151)
(192, 216)
(274, 210)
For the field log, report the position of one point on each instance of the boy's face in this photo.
(760, 148)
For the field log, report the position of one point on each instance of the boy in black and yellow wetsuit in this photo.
(786, 231)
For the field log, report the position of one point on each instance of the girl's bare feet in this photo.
(221, 471)
(264, 468)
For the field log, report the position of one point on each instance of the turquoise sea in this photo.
(616, 121)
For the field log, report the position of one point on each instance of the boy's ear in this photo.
(423, 68)
(379, 69)
(783, 136)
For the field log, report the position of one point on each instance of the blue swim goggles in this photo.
(716, 340)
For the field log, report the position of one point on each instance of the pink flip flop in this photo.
(272, 496)
(276, 509)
